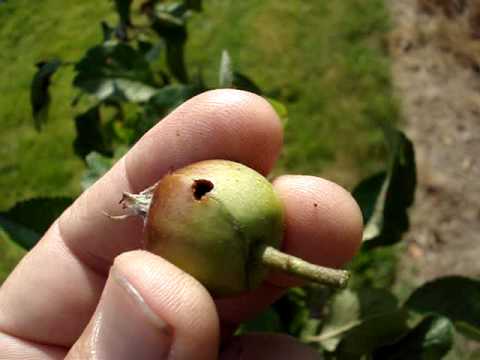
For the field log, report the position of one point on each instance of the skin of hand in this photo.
(88, 291)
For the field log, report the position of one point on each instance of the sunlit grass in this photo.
(325, 60)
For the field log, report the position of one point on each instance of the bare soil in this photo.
(435, 45)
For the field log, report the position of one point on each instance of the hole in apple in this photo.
(200, 187)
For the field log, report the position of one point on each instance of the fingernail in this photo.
(126, 327)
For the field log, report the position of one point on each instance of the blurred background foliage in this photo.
(325, 61)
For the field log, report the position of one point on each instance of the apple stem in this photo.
(275, 259)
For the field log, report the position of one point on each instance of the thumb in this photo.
(149, 309)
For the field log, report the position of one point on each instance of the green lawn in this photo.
(325, 60)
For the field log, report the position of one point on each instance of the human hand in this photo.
(85, 292)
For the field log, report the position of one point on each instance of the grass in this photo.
(325, 60)
(40, 163)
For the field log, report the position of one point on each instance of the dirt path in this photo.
(436, 64)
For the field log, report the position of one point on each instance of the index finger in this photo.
(66, 271)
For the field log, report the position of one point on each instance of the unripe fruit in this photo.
(221, 222)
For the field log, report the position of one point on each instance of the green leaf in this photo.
(107, 31)
(294, 312)
(431, 339)
(98, 165)
(170, 96)
(360, 321)
(225, 72)
(123, 10)
(175, 40)
(193, 4)
(115, 72)
(267, 321)
(28, 220)
(151, 52)
(367, 194)
(89, 133)
(243, 82)
(385, 198)
(39, 90)
(280, 109)
(168, 21)
(175, 56)
(456, 297)
(171, 14)
(19, 233)
(376, 268)
(165, 100)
